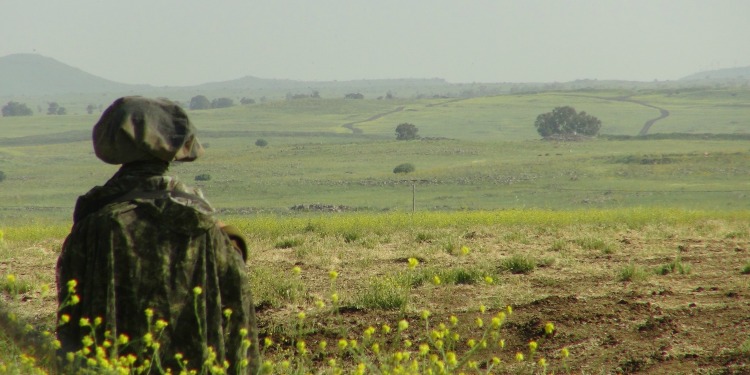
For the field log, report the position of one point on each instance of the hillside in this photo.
(33, 75)
(742, 74)
(30, 74)
(37, 75)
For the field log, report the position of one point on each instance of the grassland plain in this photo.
(480, 153)
(597, 220)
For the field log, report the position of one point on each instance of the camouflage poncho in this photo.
(146, 241)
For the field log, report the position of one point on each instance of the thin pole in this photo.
(413, 197)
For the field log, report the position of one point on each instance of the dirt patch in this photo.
(696, 321)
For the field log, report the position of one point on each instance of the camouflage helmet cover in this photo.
(135, 128)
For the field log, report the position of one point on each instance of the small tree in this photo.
(90, 108)
(404, 168)
(406, 131)
(222, 103)
(261, 143)
(200, 102)
(16, 109)
(246, 101)
(565, 121)
(56, 109)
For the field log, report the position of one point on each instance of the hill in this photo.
(729, 74)
(37, 75)
(30, 74)
(34, 75)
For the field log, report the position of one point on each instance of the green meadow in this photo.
(620, 242)
(476, 154)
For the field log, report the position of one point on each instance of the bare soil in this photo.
(696, 322)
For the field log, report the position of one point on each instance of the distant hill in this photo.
(31, 74)
(36, 75)
(742, 73)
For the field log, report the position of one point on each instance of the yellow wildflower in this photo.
(413, 263)
(403, 325)
(549, 328)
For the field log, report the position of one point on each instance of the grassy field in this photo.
(479, 153)
(635, 248)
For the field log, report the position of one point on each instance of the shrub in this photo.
(261, 143)
(406, 131)
(385, 293)
(672, 267)
(288, 243)
(746, 269)
(404, 168)
(203, 177)
(631, 272)
(518, 264)
(461, 275)
(2, 176)
(351, 236)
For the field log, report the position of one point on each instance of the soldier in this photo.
(145, 255)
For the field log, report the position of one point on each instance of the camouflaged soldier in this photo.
(144, 242)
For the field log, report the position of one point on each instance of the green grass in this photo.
(518, 264)
(485, 155)
(632, 272)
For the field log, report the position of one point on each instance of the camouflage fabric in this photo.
(145, 241)
(135, 128)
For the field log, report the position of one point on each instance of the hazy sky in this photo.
(185, 42)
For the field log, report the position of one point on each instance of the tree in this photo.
(199, 102)
(246, 101)
(90, 108)
(16, 109)
(354, 95)
(261, 143)
(55, 109)
(565, 122)
(222, 103)
(406, 131)
(404, 168)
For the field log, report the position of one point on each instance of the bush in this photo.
(404, 168)
(406, 131)
(2, 176)
(203, 177)
(16, 109)
(518, 264)
(261, 143)
(631, 272)
(222, 103)
(565, 121)
(199, 102)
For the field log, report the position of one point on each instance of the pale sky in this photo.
(186, 42)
